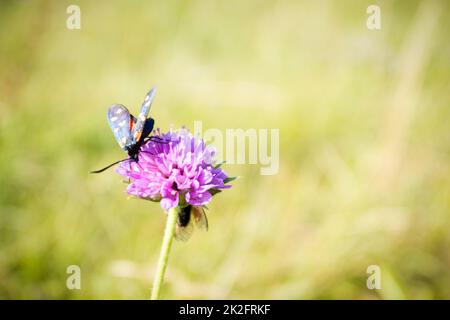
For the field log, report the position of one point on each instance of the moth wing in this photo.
(197, 218)
(184, 227)
(121, 121)
(142, 116)
(200, 219)
(148, 128)
(184, 233)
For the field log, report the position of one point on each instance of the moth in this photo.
(188, 217)
(130, 132)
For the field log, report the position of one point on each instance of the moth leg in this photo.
(158, 140)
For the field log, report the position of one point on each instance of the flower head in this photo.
(175, 168)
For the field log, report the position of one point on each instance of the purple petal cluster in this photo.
(175, 168)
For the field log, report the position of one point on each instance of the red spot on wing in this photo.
(131, 124)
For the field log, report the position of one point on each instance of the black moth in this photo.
(130, 132)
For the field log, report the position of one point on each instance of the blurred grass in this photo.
(364, 155)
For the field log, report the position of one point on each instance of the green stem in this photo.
(169, 232)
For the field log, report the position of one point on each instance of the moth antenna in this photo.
(109, 166)
(158, 140)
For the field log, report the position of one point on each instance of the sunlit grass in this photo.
(364, 155)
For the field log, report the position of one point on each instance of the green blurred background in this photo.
(364, 173)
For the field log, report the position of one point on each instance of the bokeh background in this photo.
(364, 147)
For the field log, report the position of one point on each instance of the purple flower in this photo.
(175, 168)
